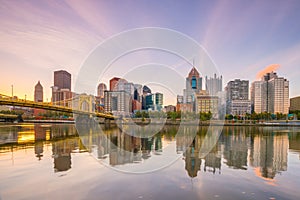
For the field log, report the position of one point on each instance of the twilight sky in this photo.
(241, 37)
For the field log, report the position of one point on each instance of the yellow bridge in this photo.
(81, 100)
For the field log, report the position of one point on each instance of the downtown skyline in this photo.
(242, 38)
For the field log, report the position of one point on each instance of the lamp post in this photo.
(12, 91)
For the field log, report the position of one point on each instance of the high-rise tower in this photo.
(38, 92)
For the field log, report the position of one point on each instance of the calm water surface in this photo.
(50, 161)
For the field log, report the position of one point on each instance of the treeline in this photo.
(203, 116)
(258, 116)
(54, 115)
(173, 115)
(12, 112)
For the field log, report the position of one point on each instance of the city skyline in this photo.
(241, 37)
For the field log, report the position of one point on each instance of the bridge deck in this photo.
(49, 106)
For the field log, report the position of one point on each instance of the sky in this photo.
(241, 37)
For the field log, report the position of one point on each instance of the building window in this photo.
(194, 83)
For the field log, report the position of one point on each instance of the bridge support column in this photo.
(107, 123)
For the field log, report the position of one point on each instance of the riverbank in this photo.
(144, 122)
(49, 121)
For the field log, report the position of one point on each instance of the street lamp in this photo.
(12, 91)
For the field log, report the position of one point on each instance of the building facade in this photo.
(259, 97)
(170, 108)
(187, 102)
(237, 90)
(295, 103)
(38, 92)
(61, 91)
(237, 97)
(214, 85)
(270, 94)
(113, 83)
(62, 79)
(154, 101)
(100, 97)
(239, 107)
(118, 103)
(207, 103)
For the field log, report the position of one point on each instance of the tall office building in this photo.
(213, 85)
(118, 102)
(113, 83)
(186, 103)
(137, 97)
(237, 90)
(138, 90)
(193, 86)
(100, 90)
(38, 92)
(61, 91)
(154, 101)
(259, 96)
(100, 97)
(270, 94)
(146, 91)
(237, 97)
(295, 103)
(278, 95)
(62, 79)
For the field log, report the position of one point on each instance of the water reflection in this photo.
(62, 138)
(263, 149)
(269, 153)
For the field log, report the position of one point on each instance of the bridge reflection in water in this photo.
(264, 150)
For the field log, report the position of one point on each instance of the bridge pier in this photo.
(107, 123)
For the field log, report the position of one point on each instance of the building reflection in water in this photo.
(193, 160)
(269, 153)
(65, 142)
(264, 149)
(294, 142)
(40, 137)
(120, 148)
(236, 145)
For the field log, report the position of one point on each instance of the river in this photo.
(58, 161)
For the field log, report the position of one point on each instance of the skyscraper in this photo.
(100, 97)
(154, 101)
(270, 94)
(295, 103)
(237, 97)
(118, 102)
(61, 91)
(237, 90)
(213, 85)
(259, 96)
(38, 92)
(278, 95)
(146, 91)
(193, 86)
(62, 79)
(113, 83)
(100, 90)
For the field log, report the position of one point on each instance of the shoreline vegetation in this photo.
(171, 118)
(145, 122)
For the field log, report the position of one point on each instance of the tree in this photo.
(138, 114)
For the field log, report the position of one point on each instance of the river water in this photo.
(55, 161)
